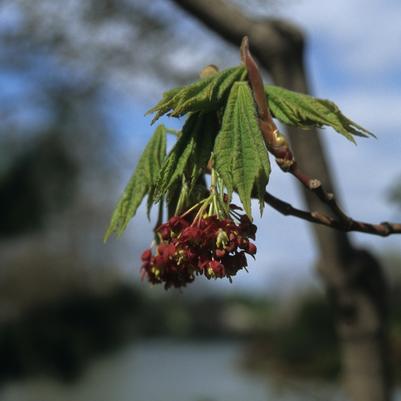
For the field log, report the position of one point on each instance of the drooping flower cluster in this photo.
(208, 246)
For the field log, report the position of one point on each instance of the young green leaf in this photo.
(206, 94)
(190, 154)
(241, 157)
(141, 183)
(293, 108)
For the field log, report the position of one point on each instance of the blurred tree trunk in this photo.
(354, 279)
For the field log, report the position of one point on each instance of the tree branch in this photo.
(383, 229)
(276, 143)
(278, 146)
(218, 16)
(272, 38)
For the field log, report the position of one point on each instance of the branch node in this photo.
(314, 184)
(322, 218)
(389, 229)
(285, 164)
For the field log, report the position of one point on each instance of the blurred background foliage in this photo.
(67, 69)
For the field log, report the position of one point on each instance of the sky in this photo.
(353, 58)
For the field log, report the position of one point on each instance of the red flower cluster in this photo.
(212, 247)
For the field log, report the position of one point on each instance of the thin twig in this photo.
(383, 229)
(346, 223)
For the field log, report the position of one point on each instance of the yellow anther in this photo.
(222, 239)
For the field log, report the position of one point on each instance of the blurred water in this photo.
(170, 371)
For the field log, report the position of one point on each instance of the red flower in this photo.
(166, 252)
(147, 255)
(191, 234)
(216, 269)
(209, 246)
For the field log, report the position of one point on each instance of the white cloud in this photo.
(362, 35)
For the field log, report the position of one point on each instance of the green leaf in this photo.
(293, 108)
(190, 154)
(141, 183)
(206, 94)
(240, 154)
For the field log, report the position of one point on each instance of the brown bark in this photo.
(383, 229)
(353, 278)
